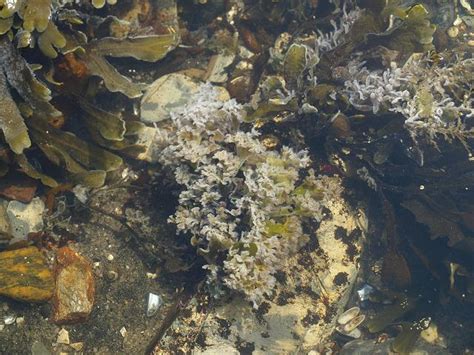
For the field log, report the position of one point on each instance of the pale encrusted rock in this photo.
(302, 315)
(24, 218)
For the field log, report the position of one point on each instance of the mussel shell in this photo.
(348, 315)
(353, 323)
(355, 333)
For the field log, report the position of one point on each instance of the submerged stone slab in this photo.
(74, 295)
(312, 291)
(165, 94)
(369, 347)
(25, 275)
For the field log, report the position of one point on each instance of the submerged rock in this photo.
(307, 301)
(25, 275)
(73, 298)
(25, 218)
(166, 93)
(368, 347)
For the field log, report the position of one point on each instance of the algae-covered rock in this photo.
(25, 275)
(308, 297)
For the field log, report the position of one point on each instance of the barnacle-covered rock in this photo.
(307, 302)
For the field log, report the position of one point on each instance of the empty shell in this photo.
(353, 323)
(348, 315)
(154, 303)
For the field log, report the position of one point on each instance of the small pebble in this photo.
(77, 346)
(20, 320)
(151, 275)
(63, 337)
(123, 332)
(9, 319)
(38, 348)
(112, 275)
(453, 31)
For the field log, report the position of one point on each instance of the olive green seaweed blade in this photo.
(389, 314)
(8, 8)
(88, 155)
(50, 39)
(295, 62)
(33, 173)
(11, 121)
(113, 80)
(147, 48)
(35, 14)
(110, 126)
(5, 25)
(405, 341)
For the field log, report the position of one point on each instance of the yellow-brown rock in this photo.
(25, 275)
(73, 298)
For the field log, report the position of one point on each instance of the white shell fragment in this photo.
(10, 319)
(348, 315)
(154, 303)
(123, 332)
(364, 292)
